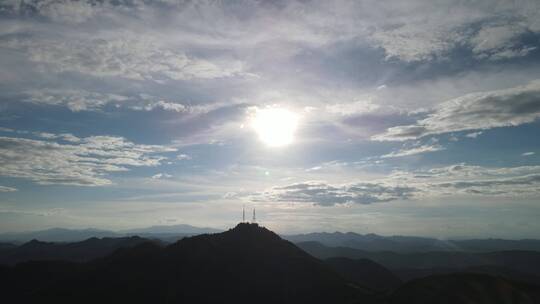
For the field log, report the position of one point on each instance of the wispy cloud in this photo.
(183, 157)
(82, 100)
(414, 151)
(75, 100)
(132, 56)
(474, 180)
(7, 189)
(459, 179)
(474, 134)
(161, 176)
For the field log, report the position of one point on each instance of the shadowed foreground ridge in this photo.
(245, 264)
(465, 288)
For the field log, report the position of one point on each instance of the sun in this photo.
(275, 126)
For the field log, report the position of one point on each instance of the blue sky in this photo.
(410, 117)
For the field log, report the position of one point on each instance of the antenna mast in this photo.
(254, 218)
(243, 214)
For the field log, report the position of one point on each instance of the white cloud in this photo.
(528, 154)
(183, 157)
(414, 43)
(75, 100)
(476, 111)
(414, 151)
(63, 136)
(161, 176)
(424, 30)
(7, 189)
(82, 100)
(85, 163)
(500, 41)
(474, 134)
(164, 105)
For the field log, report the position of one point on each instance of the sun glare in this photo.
(275, 126)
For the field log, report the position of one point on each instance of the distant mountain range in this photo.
(56, 235)
(404, 244)
(250, 264)
(366, 242)
(166, 233)
(172, 229)
(86, 250)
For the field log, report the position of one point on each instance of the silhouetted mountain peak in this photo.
(251, 231)
(246, 240)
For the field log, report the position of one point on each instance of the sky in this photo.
(391, 117)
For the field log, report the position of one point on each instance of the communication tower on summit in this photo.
(243, 214)
(254, 220)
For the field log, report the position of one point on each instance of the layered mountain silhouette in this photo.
(246, 264)
(56, 235)
(412, 244)
(514, 264)
(250, 264)
(170, 233)
(366, 242)
(374, 242)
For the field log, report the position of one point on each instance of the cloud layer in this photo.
(414, 150)
(476, 111)
(85, 163)
(459, 179)
(324, 194)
